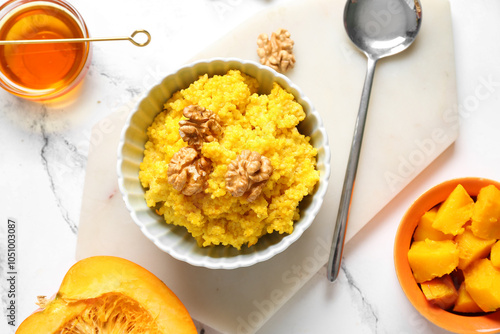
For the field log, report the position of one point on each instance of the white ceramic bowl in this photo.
(175, 240)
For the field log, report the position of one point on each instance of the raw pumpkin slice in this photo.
(104, 295)
(486, 213)
(455, 211)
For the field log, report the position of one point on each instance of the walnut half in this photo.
(277, 51)
(188, 171)
(247, 174)
(202, 126)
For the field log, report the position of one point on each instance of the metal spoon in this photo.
(379, 28)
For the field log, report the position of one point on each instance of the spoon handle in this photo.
(350, 176)
(80, 40)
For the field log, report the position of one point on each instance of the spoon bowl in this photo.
(378, 28)
(381, 28)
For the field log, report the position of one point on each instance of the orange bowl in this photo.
(488, 323)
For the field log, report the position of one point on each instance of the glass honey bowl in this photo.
(42, 71)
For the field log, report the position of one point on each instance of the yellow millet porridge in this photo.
(260, 123)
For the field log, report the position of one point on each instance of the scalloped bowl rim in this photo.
(489, 323)
(242, 260)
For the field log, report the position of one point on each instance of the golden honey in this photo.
(41, 71)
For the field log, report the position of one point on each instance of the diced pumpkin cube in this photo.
(495, 255)
(464, 302)
(455, 211)
(425, 230)
(486, 213)
(482, 281)
(429, 259)
(471, 248)
(440, 291)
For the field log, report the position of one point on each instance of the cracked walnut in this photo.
(276, 51)
(188, 171)
(247, 174)
(201, 126)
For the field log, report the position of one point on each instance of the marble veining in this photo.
(62, 162)
(366, 309)
(112, 80)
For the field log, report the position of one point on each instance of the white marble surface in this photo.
(44, 149)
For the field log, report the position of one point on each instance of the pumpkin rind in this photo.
(98, 277)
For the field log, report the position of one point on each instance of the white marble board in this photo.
(412, 119)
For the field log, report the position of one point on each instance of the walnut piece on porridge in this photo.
(202, 126)
(248, 174)
(277, 51)
(188, 171)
